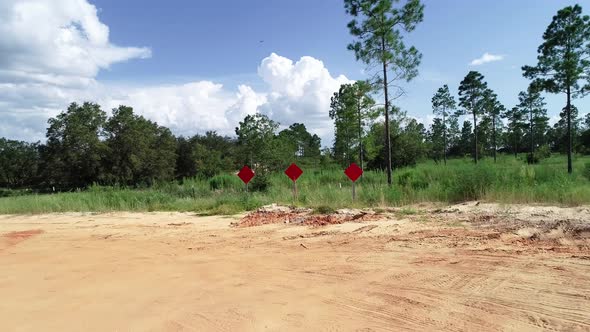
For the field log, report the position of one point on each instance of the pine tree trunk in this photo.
(494, 133)
(475, 136)
(360, 135)
(445, 137)
(569, 131)
(515, 145)
(387, 136)
(531, 133)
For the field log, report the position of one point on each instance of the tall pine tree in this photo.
(471, 97)
(442, 105)
(377, 26)
(563, 62)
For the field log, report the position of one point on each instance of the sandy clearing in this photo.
(466, 267)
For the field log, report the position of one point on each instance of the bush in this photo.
(532, 158)
(413, 180)
(586, 171)
(404, 179)
(323, 209)
(260, 182)
(471, 184)
(225, 181)
(543, 152)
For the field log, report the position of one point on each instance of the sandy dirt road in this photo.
(462, 268)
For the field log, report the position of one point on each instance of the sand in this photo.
(470, 267)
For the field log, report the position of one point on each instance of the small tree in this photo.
(378, 26)
(74, 150)
(564, 129)
(532, 103)
(471, 96)
(563, 61)
(515, 117)
(19, 163)
(442, 105)
(493, 110)
(465, 138)
(343, 112)
(437, 140)
(351, 109)
(256, 137)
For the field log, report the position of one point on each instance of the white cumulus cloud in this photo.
(300, 92)
(52, 52)
(58, 42)
(486, 58)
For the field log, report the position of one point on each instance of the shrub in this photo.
(532, 158)
(412, 179)
(404, 179)
(543, 152)
(225, 181)
(323, 209)
(470, 184)
(586, 171)
(260, 182)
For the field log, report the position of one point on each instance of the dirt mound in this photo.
(274, 214)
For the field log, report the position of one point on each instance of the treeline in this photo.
(85, 146)
(378, 28)
(523, 128)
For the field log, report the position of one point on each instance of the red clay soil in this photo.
(262, 218)
(13, 238)
(258, 218)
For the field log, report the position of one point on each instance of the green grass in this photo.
(508, 181)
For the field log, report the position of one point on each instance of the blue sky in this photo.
(179, 48)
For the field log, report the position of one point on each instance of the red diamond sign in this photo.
(353, 172)
(293, 172)
(246, 174)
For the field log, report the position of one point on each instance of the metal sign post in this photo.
(354, 173)
(246, 174)
(294, 172)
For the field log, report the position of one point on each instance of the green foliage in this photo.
(74, 151)
(437, 140)
(297, 143)
(532, 104)
(516, 127)
(18, 163)
(492, 110)
(507, 181)
(205, 155)
(225, 182)
(563, 62)
(260, 183)
(408, 141)
(586, 171)
(442, 105)
(323, 209)
(543, 152)
(411, 179)
(258, 145)
(377, 26)
(139, 151)
(351, 110)
(559, 132)
(472, 95)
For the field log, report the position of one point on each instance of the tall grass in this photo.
(509, 180)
